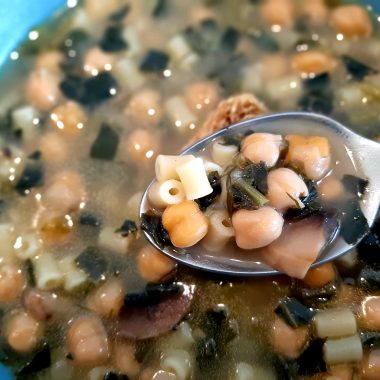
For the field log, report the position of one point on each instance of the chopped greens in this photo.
(128, 227)
(40, 361)
(161, 8)
(120, 14)
(32, 176)
(243, 195)
(106, 143)
(93, 262)
(154, 61)
(355, 185)
(294, 312)
(152, 224)
(89, 91)
(256, 175)
(357, 69)
(207, 200)
(354, 224)
(112, 40)
(311, 205)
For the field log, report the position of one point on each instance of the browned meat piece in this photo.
(229, 111)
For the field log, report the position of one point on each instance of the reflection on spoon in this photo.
(357, 162)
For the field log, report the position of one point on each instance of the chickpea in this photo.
(311, 154)
(42, 89)
(46, 306)
(153, 265)
(107, 300)
(278, 12)
(23, 332)
(124, 360)
(283, 183)
(68, 118)
(141, 146)
(331, 189)
(88, 342)
(101, 9)
(352, 21)
(144, 107)
(340, 372)
(274, 66)
(64, 193)
(370, 368)
(320, 276)
(54, 148)
(12, 282)
(260, 147)
(286, 340)
(256, 228)
(49, 60)
(54, 228)
(201, 97)
(312, 62)
(198, 13)
(185, 223)
(315, 11)
(369, 317)
(97, 60)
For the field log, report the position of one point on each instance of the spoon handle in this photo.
(368, 155)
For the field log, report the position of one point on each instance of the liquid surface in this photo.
(106, 89)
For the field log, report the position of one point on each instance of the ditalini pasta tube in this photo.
(170, 192)
(179, 113)
(212, 167)
(177, 361)
(343, 350)
(74, 277)
(194, 179)
(47, 272)
(335, 323)
(165, 166)
(223, 154)
(27, 246)
(219, 231)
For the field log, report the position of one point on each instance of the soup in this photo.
(88, 103)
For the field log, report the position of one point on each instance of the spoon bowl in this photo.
(356, 155)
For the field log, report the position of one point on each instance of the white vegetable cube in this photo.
(194, 179)
(166, 166)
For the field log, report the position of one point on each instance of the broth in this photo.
(86, 107)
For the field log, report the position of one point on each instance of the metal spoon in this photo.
(353, 151)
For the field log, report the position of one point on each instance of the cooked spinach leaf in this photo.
(355, 185)
(215, 182)
(93, 262)
(152, 224)
(128, 227)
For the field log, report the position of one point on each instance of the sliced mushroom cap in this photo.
(156, 315)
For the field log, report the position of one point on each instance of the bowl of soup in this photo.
(92, 93)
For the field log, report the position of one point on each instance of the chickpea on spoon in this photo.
(274, 194)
